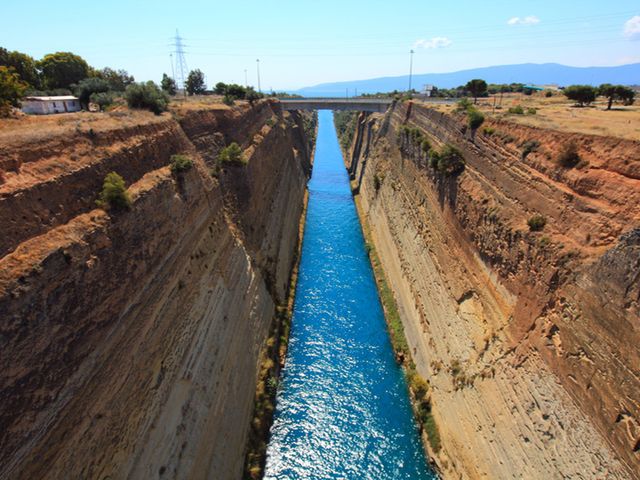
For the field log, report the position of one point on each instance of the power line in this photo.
(181, 62)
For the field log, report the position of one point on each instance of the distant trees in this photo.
(616, 92)
(195, 82)
(62, 70)
(11, 90)
(581, 94)
(233, 91)
(477, 88)
(147, 96)
(168, 84)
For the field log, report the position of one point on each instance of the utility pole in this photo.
(258, 66)
(181, 61)
(410, 70)
(246, 82)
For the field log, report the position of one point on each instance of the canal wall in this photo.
(526, 338)
(130, 341)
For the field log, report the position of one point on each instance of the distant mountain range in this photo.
(530, 73)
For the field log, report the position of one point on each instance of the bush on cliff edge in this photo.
(114, 195)
(232, 154)
(147, 96)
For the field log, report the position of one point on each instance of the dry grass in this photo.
(35, 128)
(559, 113)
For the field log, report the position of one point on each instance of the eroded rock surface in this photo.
(129, 341)
(528, 339)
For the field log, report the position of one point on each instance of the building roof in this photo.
(58, 98)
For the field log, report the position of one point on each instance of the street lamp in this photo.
(258, 67)
(410, 69)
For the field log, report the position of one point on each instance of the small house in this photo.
(46, 105)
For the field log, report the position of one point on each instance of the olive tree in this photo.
(616, 93)
(581, 94)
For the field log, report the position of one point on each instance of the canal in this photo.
(343, 410)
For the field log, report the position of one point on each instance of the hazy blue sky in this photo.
(302, 43)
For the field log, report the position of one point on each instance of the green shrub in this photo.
(89, 87)
(528, 147)
(517, 110)
(425, 145)
(419, 386)
(228, 100)
(102, 99)
(450, 160)
(147, 96)
(536, 223)
(532, 111)
(180, 163)
(114, 193)
(475, 118)
(488, 131)
(548, 94)
(568, 157)
(377, 182)
(434, 156)
(463, 105)
(232, 154)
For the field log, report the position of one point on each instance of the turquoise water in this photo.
(342, 409)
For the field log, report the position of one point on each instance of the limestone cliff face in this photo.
(529, 339)
(130, 341)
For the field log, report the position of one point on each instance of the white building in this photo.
(46, 105)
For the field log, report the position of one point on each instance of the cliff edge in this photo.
(517, 282)
(130, 340)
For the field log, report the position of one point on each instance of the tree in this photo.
(581, 94)
(252, 95)
(114, 193)
(11, 90)
(477, 88)
(118, 80)
(23, 64)
(147, 96)
(220, 88)
(62, 69)
(195, 82)
(236, 91)
(616, 92)
(168, 84)
(88, 87)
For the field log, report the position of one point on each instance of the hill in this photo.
(544, 73)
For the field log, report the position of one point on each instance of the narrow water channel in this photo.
(342, 409)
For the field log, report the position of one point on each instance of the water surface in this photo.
(342, 409)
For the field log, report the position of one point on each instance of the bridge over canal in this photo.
(354, 104)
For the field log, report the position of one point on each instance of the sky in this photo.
(303, 43)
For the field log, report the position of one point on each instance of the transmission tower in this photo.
(181, 62)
